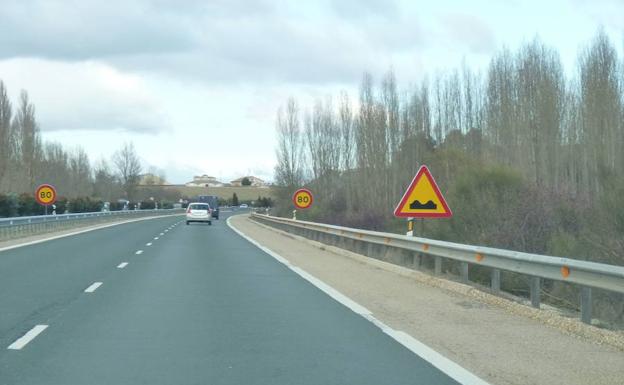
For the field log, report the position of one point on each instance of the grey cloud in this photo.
(118, 119)
(216, 41)
(356, 9)
(277, 49)
(470, 31)
(80, 30)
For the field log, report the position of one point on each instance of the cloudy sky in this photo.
(196, 84)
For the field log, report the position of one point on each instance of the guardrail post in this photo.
(586, 304)
(437, 262)
(535, 288)
(495, 283)
(463, 268)
(417, 260)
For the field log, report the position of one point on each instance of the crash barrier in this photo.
(18, 227)
(408, 251)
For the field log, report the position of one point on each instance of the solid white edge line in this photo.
(448, 367)
(80, 232)
(122, 265)
(139, 252)
(26, 338)
(93, 287)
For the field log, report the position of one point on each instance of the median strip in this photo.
(26, 338)
(93, 287)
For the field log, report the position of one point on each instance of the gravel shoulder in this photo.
(501, 341)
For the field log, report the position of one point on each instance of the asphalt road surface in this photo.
(197, 305)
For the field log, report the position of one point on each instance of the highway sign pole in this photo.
(423, 199)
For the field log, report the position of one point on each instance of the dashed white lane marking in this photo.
(148, 244)
(26, 338)
(122, 265)
(139, 252)
(93, 287)
(79, 232)
(450, 368)
(155, 238)
(166, 230)
(161, 234)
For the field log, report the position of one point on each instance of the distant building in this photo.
(255, 182)
(151, 179)
(204, 181)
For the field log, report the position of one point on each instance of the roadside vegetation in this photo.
(27, 161)
(528, 158)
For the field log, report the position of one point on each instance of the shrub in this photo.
(8, 205)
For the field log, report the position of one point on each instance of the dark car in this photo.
(213, 201)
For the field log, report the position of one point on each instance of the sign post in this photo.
(45, 196)
(423, 199)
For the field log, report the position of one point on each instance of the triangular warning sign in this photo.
(423, 198)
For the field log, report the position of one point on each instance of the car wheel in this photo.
(209, 223)
(187, 223)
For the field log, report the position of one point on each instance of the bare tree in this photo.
(289, 169)
(29, 141)
(128, 167)
(80, 173)
(106, 185)
(5, 130)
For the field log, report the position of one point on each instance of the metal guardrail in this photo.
(14, 221)
(16, 227)
(585, 274)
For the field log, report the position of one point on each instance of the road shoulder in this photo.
(484, 337)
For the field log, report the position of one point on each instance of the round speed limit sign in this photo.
(302, 198)
(45, 194)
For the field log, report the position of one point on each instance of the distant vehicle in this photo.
(199, 212)
(244, 206)
(213, 201)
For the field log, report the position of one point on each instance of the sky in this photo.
(196, 85)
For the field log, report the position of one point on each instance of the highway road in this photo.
(159, 302)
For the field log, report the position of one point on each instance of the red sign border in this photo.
(422, 171)
(299, 191)
(37, 194)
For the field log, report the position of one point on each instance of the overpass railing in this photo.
(407, 250)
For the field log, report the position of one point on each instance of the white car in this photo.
(243, 206)
(198, 212)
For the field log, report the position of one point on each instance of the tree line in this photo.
(26, 161)
(529, 158)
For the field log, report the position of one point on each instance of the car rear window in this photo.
(199, 207)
